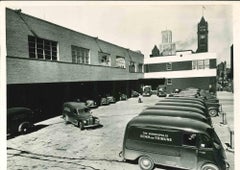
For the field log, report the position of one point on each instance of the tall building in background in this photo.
(202, 36)
(167, 47)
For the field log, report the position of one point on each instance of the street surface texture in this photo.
(57, 146)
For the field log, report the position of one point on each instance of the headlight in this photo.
(84, 121)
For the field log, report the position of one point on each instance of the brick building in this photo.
(48, 64)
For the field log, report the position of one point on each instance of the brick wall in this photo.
(29, 71)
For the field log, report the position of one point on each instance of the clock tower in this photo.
(202, 36)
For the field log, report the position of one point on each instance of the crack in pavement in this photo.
(51, 158)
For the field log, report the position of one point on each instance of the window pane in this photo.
(32, 55)
(190, 139)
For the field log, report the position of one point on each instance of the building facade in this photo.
(48, 64)
(185, 69)
(167, 47)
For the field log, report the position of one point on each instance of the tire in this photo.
(213, 112)
(209, 166)
(80, 125)
(24, 127)
(145, 163)
(66, 118)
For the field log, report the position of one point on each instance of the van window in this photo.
(190, 139)
(66, 109)
(205, 142)
(168, 137)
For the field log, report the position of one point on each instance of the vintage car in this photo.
(19, 120)
(104, 101)
(134, 94)
(173, 142)
(123, 97)
(161, 92)
(147, 91)
(79, 115)
(111, 99)
(91, 104)
(174, 92)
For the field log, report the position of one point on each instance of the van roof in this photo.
(178, 123)
(182, 100)
(175, 108)
(79, 105)
(180, 113)
(186, 98)
(179, 103)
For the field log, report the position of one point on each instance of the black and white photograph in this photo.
(125, 85)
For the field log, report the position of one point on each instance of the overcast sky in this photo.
(138, 26)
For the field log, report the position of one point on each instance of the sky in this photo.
(138, 26)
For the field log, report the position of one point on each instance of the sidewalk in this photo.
(224, 125)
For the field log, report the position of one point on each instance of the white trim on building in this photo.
(182, 74)
(180, 57)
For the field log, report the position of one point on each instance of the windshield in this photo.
(83, 111)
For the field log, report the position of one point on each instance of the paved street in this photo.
(58, 146)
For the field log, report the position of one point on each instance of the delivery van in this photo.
(213, 107)
(180, 143)
(176, 113)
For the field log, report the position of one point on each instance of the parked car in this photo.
(79, 115)
(91, 104)
(147, 90)
(161, 92)
(174, 92)
(174, 142)
(111, 99)
(123, 97)
(19, 120)
(134, 94)
(104, 101)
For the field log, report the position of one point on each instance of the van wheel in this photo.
(24, 127)
(145, 163)
(209, 167)
(80, 125)
(213, 112)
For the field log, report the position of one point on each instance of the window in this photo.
(80, 55)
(200, 64)
(169, 81)
(206, 63)
(42, 49)
(205, 142)
(120, 62)
(169, 66)
(190, 139)
(132, 67)
(194, 65)
(104, 58)
(140, 68)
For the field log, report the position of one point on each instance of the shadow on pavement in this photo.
(34, 129)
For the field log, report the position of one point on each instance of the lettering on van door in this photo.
(156, 136)
(163, 136)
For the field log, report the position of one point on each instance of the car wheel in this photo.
(213, 112)
(66, 118)
(24, 127)
(80, 125)
(209, 166)
(145, 163)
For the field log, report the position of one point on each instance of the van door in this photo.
(189, 150)
(205, 152)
